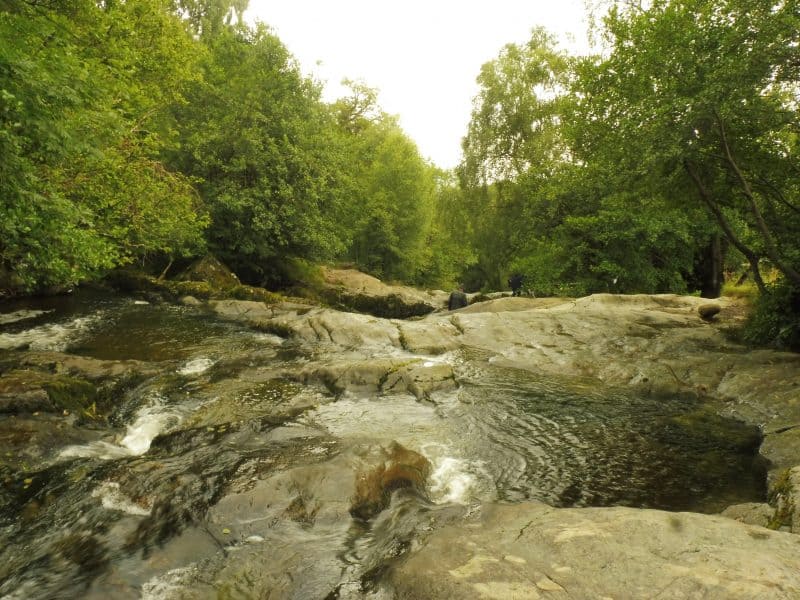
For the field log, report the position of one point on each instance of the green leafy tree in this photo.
(698, 99)
(81, 86)
(395, 190)
(513, 134)
(267, 155)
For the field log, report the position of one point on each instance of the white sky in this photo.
(422, 55)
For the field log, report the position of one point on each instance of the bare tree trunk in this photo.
(164, 272)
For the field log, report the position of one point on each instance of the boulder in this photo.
(210, 270)
(353, 290)
(389, 469)
(274, 506)
(708, 311)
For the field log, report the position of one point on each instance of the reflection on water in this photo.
(216, 482)
(605, 447)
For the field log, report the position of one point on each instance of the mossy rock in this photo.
(74, 395)
(210, 270)
(246, 292)
(390, 306)
(198, 289)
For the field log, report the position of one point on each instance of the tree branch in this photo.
(705, 196)
(778, 194)
(769, 242)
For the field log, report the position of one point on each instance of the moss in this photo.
(198, 289)
(246, 292)
(780, 497)
(72, 394)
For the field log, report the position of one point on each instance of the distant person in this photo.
(515, 283)
(458, 299)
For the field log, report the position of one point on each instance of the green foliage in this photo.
(618, 173)
(515, 118)
(746, 291)
(776, 318)
(696, 100)
(81, 189)
(266, 154)
(136, 131)
(394, 192)
(448, 250)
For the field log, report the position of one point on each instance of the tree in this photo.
(698, 99)
(514, 126)
(81, 91)
(396, 200)
(513, 135)
(266, 153)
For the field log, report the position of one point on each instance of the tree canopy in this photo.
(140, 132)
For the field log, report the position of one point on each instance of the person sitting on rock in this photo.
(458, 299)
(515, 283)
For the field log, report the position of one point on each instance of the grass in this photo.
(746, 291)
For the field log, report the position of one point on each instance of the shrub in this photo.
(776, 318)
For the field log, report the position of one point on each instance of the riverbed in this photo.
(217, 475)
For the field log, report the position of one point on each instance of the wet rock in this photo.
(391, 468)
(32, 442)
(387, 375)
(189, 301)
(428, 337)
(301, 515)
(276, 317)
(243, 311)
(531, 550)
(26, 401)
(28, 391)
(85, 367)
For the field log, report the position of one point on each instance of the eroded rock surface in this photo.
(532, 551)
(657, 345)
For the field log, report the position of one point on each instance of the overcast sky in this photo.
(422, 55)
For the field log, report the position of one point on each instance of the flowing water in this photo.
(219, 477)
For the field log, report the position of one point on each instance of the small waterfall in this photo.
(151, 420)
(51, 336)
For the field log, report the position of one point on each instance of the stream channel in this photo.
(217, 477)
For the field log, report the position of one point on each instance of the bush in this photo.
(776, 318)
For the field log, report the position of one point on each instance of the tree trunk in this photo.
(705, 196)
(708, 269)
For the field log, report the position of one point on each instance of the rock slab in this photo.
(531, 551)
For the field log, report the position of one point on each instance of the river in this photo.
(217, 477)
